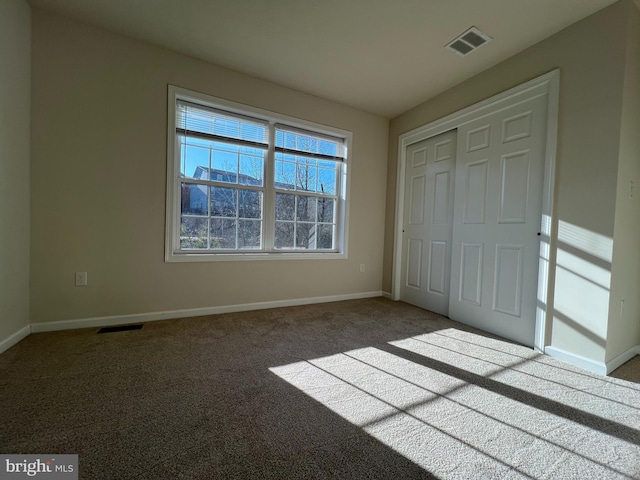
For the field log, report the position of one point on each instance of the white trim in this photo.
(172, 173)
(547, 225)
(585, 363)
(241, 257)
(387, 295)
(547, 84)
(482, 108)
(190, 312)
(14, 338)
(623, 358)
(172, 208)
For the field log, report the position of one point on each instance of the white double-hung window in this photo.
(244, 183)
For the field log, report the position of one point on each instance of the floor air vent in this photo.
(120, 328)
(469, 41)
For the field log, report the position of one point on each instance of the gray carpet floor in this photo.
(364, 389)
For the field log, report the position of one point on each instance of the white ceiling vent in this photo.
(469, 41)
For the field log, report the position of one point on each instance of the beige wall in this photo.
(624, 324)
(98, 182)
(591, 56)
(15, 115)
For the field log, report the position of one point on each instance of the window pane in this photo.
(251, 170)
(285, 173)
(325, 210)
(306, 177)
(325, 237)
(285, 207)
(327, 181)
(250, 205)
(195, 161)
(193, 232)
(225, 165)
(304, 222)
(306, 210)
(249, 234)
(224, 202)
(223, 233)
(193, 199)
(284, 235)
(295, 172)
(306, 235)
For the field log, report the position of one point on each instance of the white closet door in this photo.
(428, 210)
(497, 214)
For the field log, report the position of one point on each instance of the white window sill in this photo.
(239, 257)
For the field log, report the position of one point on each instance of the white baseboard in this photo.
(387, 295)
(191, 312)
(624, 357)
(586, 363)
(11, 340)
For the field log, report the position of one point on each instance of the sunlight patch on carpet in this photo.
(464, 406)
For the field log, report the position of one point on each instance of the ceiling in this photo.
(381, 56)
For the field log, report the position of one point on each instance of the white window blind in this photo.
(212, 124)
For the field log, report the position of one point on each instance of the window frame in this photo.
(173, 252)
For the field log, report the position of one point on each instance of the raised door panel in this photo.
(516, 127)
(507, 288)
(414, 263)
(478, 138)
(514, 188)
(419, 157)
(475, 192)
(471, 273)
(441, 198)
(438, 260)
(444, 150)
(416, 216)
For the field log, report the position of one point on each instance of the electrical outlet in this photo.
(362, 268)
(81, 279)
